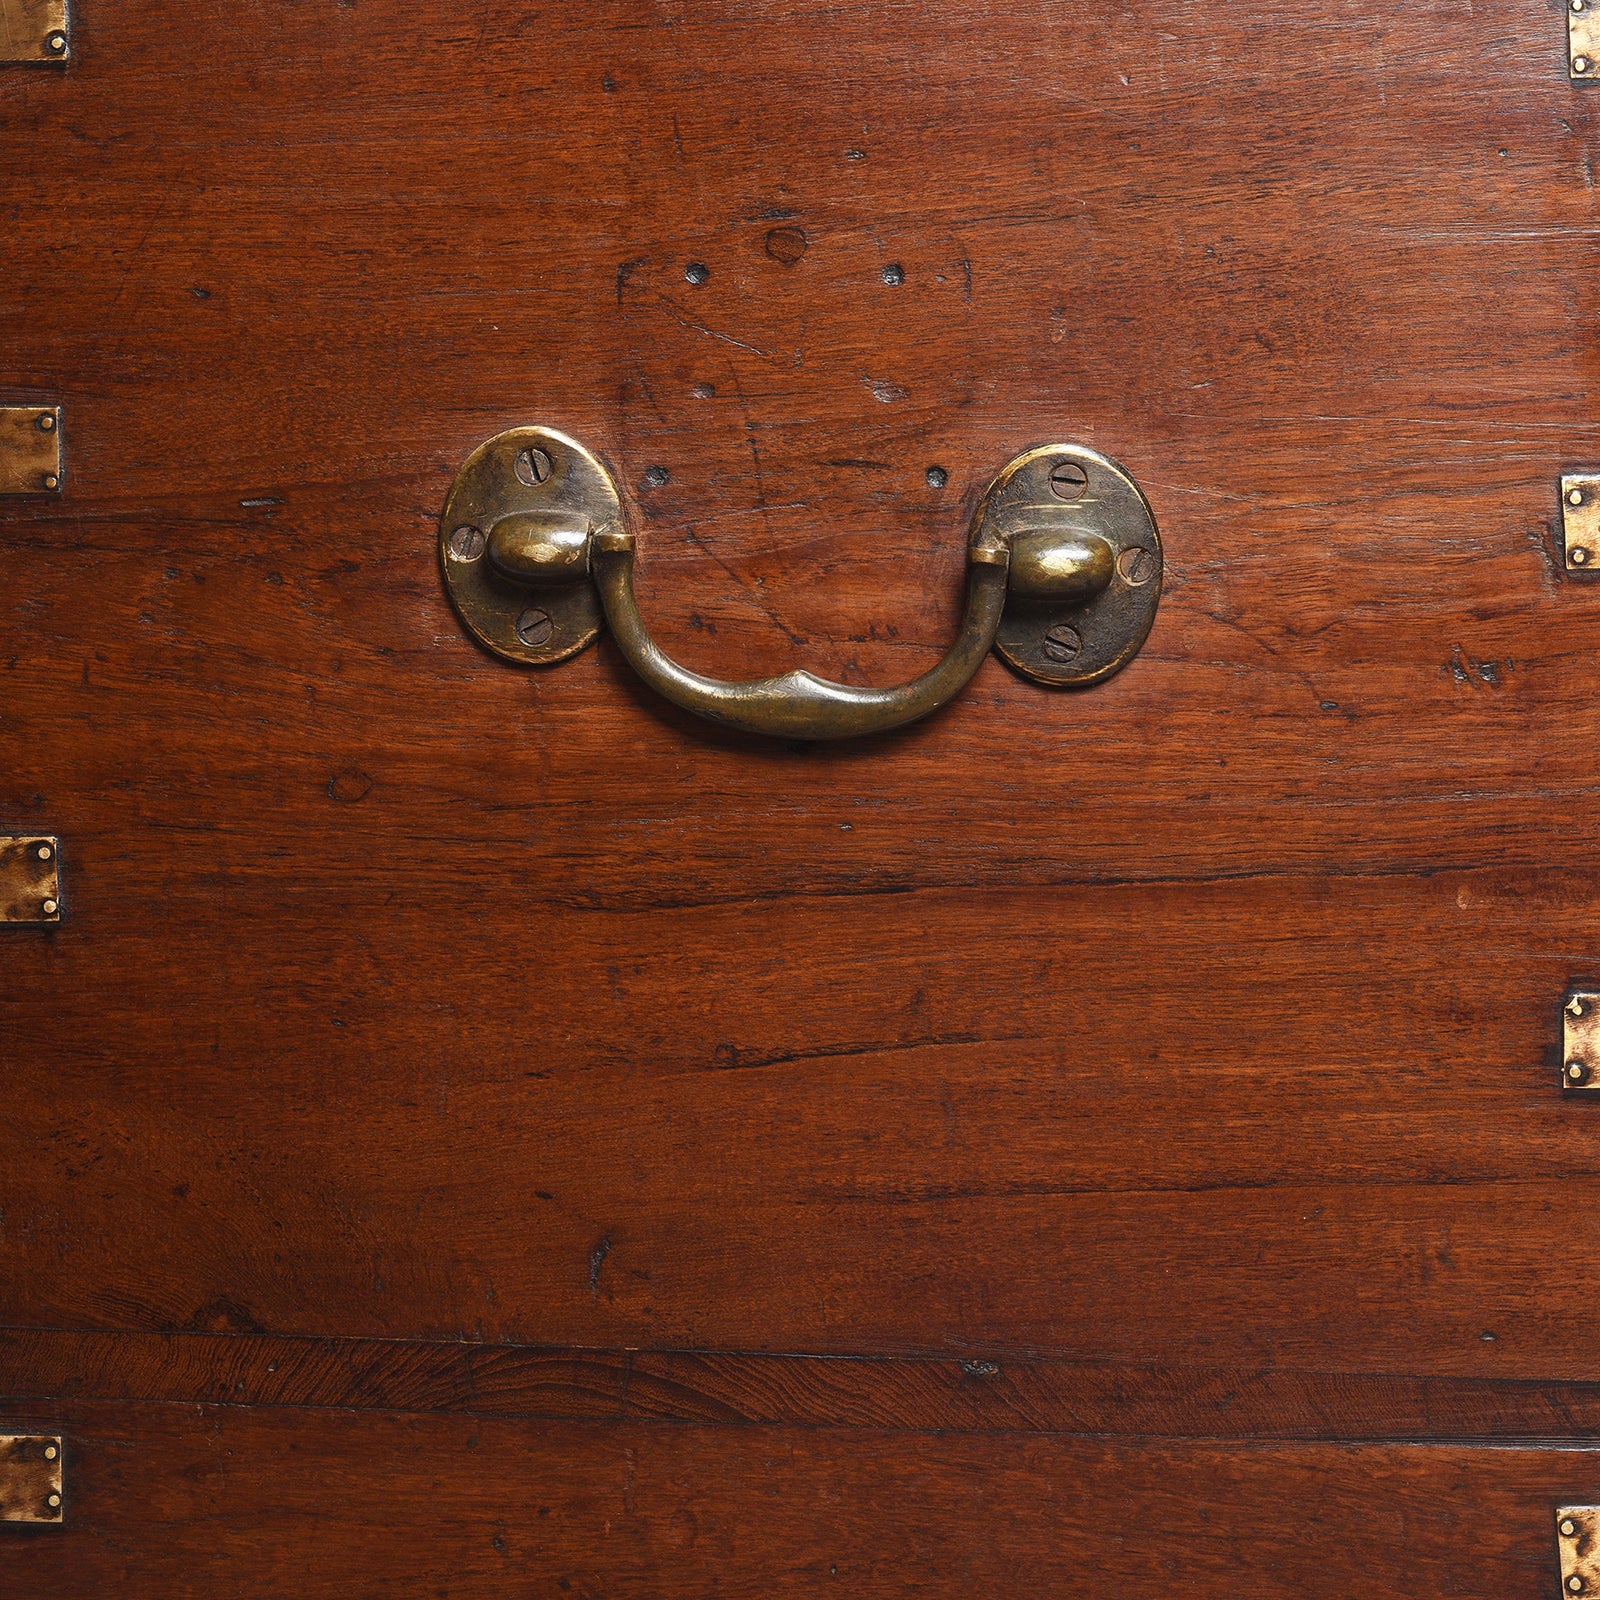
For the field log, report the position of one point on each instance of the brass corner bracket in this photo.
(1578, 1547)
(1583, 40)
(34, 31)
(30, 879)
(30, 449)
(1064, 570)
(1580, 1041)
(1580, 522)
(32, 1480)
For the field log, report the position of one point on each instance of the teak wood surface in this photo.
(477, 1132)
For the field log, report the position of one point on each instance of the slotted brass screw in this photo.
(467, 543)
(534, 627)
(1063, 643)
(533, 465)
(1068, 480)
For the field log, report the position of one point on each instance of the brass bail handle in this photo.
(1063, 579)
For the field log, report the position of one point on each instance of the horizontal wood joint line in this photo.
(978, 1394)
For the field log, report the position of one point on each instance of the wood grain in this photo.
(467, 1040)
(1222, 1129)
(740, 1389)
(200, 1501)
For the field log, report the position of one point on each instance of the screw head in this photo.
(47, 422)
(533, 466)
(1577, 1072)
(49, 908)
(51, 481)
(1580, 64)
(534, 627)
(44, 852)
(1579, 5)
(1576, 1007)
(1574, 497)
(697, 272)
(1574, 1584)
(49, 1452)
(936, 477)
(1137, 566)
(56, 43)
(1063, 643)
(1569, 1528)
(53, 1501)
(467, 544)
(1068, 480)
(655, 477)
(893, 274)
(1578, 556)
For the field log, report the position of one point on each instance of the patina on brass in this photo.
(32, 1482)
(514, 543)
(1580, 522)
(1580, 1041)
(30, 878)
(30, 449)
(1090, 628)
(1063, 579)
(799, 705)
(1578, 1546)
(1583, 41)
(34, 31)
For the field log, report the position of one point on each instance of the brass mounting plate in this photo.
(1061, 486)
(524, 470)
(34, 31)
(1580, 521)
(1578, 1542)
(31, 1478)
(30, 879)
(1580, 1042)
(1583, 40)
(30, 449)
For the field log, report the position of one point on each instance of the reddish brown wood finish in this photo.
(426, 1036)
(977, 1395)
(195, 1501)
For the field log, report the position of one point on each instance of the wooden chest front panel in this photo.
(1184, 1050)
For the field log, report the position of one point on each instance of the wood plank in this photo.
(1205, 1019)
(1199, 1137)
(744, 1389)
(199, 1501)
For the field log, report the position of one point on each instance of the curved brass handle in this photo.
(799, 705)
(1063, 578)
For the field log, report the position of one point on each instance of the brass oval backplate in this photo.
(520, 478)
(1057, 489)
(1063, 580)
